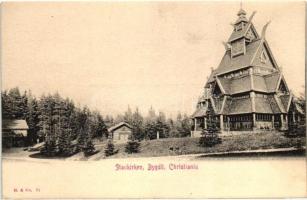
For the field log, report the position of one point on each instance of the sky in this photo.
(110, 55)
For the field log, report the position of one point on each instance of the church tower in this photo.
(247, 91)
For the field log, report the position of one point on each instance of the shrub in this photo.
(89, 148)
(132, 146)
(209, 139)
(49, 149)
(209, 136)
(109, 151)
(296, 130)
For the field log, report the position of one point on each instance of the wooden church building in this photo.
(247, 91)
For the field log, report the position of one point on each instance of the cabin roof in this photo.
(17, 124)
(117, 126)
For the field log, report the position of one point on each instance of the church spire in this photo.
(242, 15)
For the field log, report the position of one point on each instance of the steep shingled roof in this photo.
(271, 81)
(229, 64)
(267, 83)
(262, 105)
(243, 105)
(236, 85)
(238, 106)
(200, 112)
(259, 83)
(274, 105)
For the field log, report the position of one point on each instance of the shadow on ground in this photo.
(253, 155)
(42, 156)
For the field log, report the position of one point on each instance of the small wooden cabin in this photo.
(14, 133)
(120, 132)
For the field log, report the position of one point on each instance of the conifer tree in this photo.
(32, 118)
(110, 150)
(210, 134)
(137, 125)
(46, 126)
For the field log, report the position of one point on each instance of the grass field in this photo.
(181, 146)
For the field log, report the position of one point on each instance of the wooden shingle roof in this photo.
(271, 81)
(237, 106)
(19, 124)
(230, 64)
(262, 105)
(244, 105)
(274, 105)
(117, 126)
(236, 85)
(267, 83)
(239, 34)
(200, 112)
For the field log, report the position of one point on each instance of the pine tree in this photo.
(128, 116)
(209, 136)
(46, 126)
(132, 146)
(64, 134)
(32, 118)
(185, 126)
(137, 125)
(89, 148)
(110, 150)
(102, 130)
(85, 139)
(6, 102)
(150, 130)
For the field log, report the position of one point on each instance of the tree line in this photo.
(149, 126)
(66, 128)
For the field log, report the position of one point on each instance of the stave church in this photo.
(247, 91)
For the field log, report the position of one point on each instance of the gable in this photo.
(210, 109)
(250, 34)
(282, 87)
(123, 128)
(120, 125)
(263, 58)
(216, 90)
(247, 31)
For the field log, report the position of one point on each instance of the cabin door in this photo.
(124, 137)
